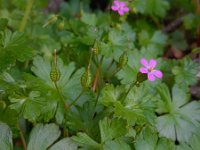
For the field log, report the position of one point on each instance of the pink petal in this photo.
(121, 12)
(151, 77)
(121, 4)
(116, 2)
(152, 63)
(157, 73)
(143, 70)
(115, 8)
(144, 62)
(125, 9)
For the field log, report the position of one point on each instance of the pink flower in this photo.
(120, 7)
(148, 68)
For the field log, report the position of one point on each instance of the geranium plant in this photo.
(99, 75)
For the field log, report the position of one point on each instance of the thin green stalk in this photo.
(115, 72)
(99, 91)
(22, 137)
(26, 15)
(110, 64)
(76, 99)
(126, 94)
(61, 96)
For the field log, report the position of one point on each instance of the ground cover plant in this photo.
(99, 75)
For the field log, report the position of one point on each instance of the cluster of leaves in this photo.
(108, 47)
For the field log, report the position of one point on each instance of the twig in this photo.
(173, 25)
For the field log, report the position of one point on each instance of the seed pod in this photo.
(54, 74)
(86, 79)
(123, 59)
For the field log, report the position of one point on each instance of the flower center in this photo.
(150, 69)
(119, 7)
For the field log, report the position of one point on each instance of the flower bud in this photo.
(61, 25)
(141, 77)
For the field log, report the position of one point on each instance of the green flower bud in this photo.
(141, 77)
(61, 25)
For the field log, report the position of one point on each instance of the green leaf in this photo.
(14, 46)
(69, 77)
(191, 21)
(110, 94)
(89, 19)
(147, 139)
(186, 72)
(138, 106)
(153, 7)
(112, 129)
(84, 140)
(165, 144)
(79, 119)
(63, 144)
(194, 142)
(159, 38)
(31, 98)
(117, 37)
(5, 137)
(42, 136)
(3, 23)
(177, 119)
(34, 106)
(178, 41)
(8, 116)
(116, 145)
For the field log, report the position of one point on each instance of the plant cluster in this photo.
(78, 77)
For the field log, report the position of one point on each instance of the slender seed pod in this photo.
(96, 48)
(54, 73)
(123, 60)
(86, 79)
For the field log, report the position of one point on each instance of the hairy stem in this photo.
(26, 15)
